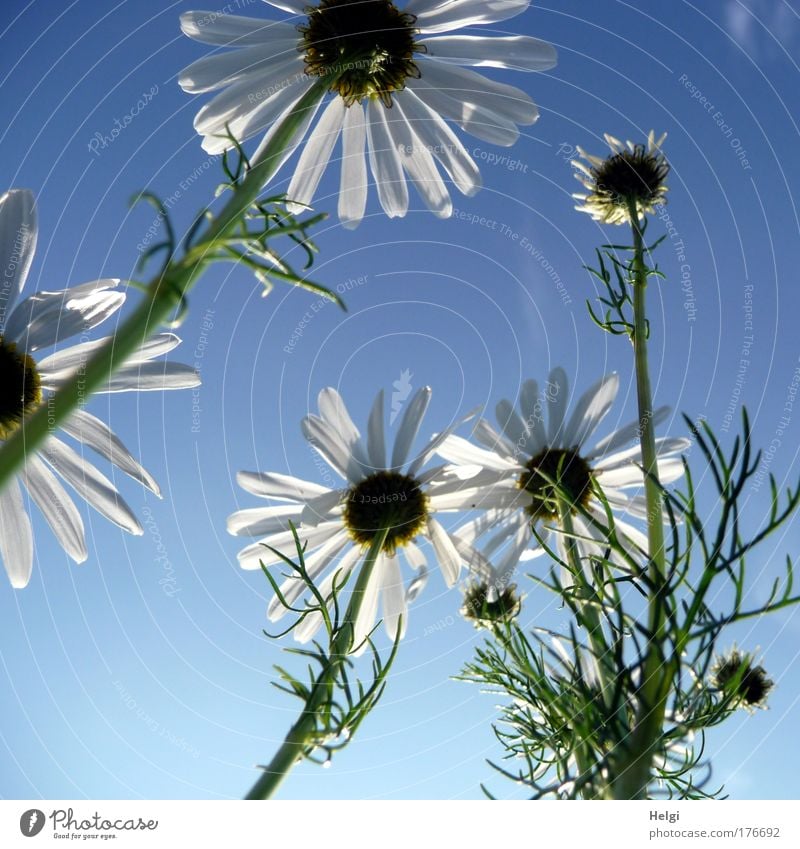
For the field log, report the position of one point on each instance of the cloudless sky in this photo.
(144, 672)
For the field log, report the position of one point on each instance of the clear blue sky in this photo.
(144, 673)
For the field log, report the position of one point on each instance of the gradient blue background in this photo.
(134, 676)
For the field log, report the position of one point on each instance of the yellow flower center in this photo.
(366, 47)
(386, 500)
(552, 473)
(20, 387)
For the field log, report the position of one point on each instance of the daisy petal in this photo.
(315, 156)
(232, 30)
(152, 376)
(365, 621)
(456, 449)
(57, 508)
(253, 556)
(409, 426)
(442, 142)
(624, 435)
(453, 14)
(533, 410)
(93, 486)
(420, 166)
(16, 537)
(556, 394)
(393, 596)
(353, 187)
(446, 552)
(261, 521)
(590, 410)
(330, 447)
(520, 52)
(281, 487)
(385, 163)
(89, 430)
(376, 436)
(18, 233)
(222, 69)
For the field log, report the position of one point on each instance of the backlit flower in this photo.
(27, 379)
(396, 74)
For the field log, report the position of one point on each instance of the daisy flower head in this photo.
(737, 675)
(337, 525)
(540, 455)
(397, 73)
(632, 175)
(29, 327)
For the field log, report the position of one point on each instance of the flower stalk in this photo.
(633, 774)
(164, 294)
(300, 738)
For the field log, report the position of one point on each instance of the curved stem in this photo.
(164, 294)
(634, 770)
(299, 738)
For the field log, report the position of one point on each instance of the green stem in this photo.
(633, 773)
(299, 739)
(164, 294)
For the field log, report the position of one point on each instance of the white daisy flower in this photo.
(27, 328)
(338, 525)
(397, 72)
(632, 174)
(527, 457)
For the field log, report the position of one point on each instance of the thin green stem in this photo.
(635, 767)
(299, 739)
(164, 295)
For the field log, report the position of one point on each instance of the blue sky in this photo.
(144, 672)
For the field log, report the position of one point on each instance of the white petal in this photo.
(512, 426)
(60, 315)
(330, 447)
(232, 30)
(385, 163)
(665, 446)
(334, 412)
(532, 408)
(453, 14)
(262, 66)
(442, 142)
(18, 232)
(419, 164)
(16, 537)
(393, 596)
(94, 487)
(521, 540)
(268, 113)
(57, 508)
(293, 7)
(261, 521)
(253, 556)
(376, 435)
(590, 410)
(430, 449)
(315, 156)
(488, 437)
(469, 111)
(353, 186)
(323, 508)
(416, 559)
(446, 552)
(624, 435)
(520, 52)
(282, 487)
(556, 395)
(152, 376)
(475, 91)
(490, 520)
(365, 621)
(89, 430)
(456, 449)
(409, 426)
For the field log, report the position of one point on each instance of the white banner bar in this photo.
(421, 825)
